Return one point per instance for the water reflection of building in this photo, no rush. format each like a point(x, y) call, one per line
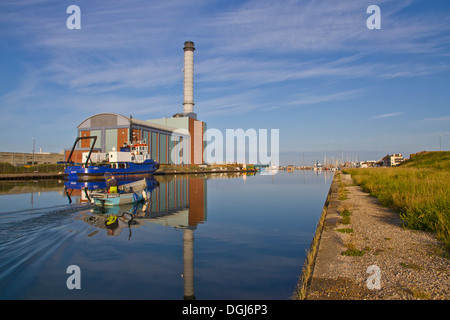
point(175, 201)
point(183, 200)
point(29, 186)
point(179, 201)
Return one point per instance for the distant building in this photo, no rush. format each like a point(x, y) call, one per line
point(367, 164)
point(393, 160)
point(349, 164)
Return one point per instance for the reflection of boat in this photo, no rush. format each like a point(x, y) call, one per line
point(132, 208)
point(176, 201)
point(82, 189)
point(249, 168)
point(131, 160)
point(127, 193)
point(113, 223)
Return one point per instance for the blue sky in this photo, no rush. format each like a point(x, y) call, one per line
point(311, 69)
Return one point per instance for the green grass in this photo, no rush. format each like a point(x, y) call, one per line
point(342, 192)
point(419, 294)
point(345, 216)
point(411, 266)
point(345, 230)
point(419, 190)
point(352, 251)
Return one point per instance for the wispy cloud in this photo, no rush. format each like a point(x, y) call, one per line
point(436, 119)
point(317, 26)
point(388, 115)
point(232, 104)
point(251, 55)
point(308, 98)
point(117, 45)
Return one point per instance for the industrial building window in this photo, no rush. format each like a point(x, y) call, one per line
point(154, 146)
point(163, 148)
point(186, 151)
point(98, 133)
point(111, 139)
point(171, 147)
point(145, 138)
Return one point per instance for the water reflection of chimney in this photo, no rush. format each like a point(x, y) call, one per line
point(188, 264)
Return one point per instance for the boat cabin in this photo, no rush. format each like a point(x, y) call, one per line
point(139, 148)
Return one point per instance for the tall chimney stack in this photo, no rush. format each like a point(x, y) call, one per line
point(188, 90)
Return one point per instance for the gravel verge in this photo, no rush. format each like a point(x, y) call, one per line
point(411, 264)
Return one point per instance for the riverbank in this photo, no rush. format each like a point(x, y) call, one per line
point(418, 189)
point(356, 236)
point(164, 170)
point(31, 176)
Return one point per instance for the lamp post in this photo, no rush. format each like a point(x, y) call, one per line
point(34, 146)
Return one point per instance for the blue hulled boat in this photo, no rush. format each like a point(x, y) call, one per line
point(120, 170)
point(131, 161)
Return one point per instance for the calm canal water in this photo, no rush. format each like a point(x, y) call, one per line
point(208, 237)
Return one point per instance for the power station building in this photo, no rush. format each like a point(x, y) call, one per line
point(173, 140)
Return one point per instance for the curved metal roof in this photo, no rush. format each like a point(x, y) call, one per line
point(110, 119)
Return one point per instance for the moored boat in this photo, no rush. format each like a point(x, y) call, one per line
point(127, 193)
point(318, 167)
point(133, 160)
